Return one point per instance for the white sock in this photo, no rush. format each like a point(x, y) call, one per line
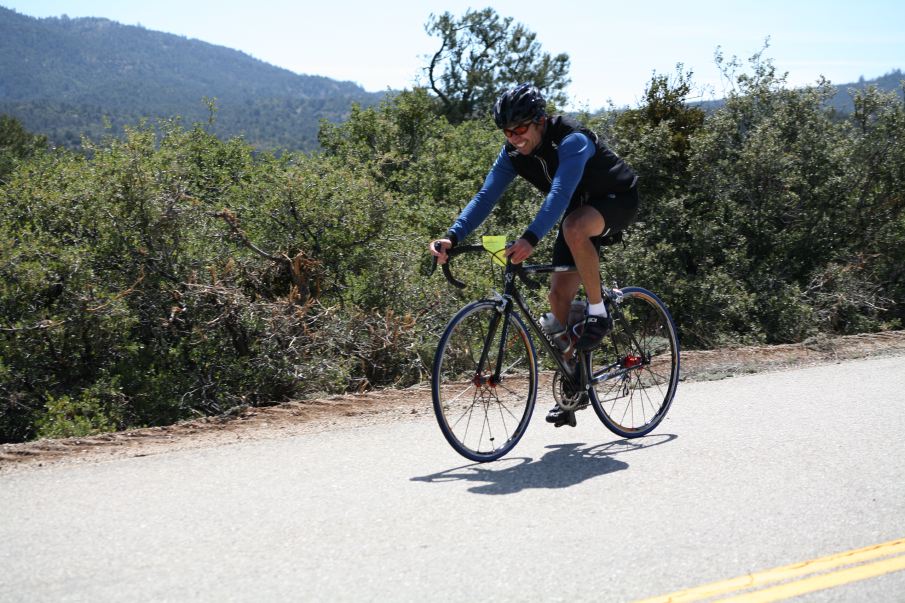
point(598, 309)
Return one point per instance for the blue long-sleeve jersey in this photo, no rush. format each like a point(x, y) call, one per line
point(574, 152)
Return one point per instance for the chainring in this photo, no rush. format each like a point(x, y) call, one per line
point(568, 396)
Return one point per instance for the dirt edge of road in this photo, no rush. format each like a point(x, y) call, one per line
point(395, 404)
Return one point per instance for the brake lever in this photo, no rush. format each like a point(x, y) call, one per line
point(446, 271)
point(434, 258)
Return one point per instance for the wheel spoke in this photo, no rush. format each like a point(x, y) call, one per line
point(467, 412)
point(460, 394)
point(501, 406)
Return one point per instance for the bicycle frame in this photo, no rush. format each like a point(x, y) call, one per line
point(511, 294)
point(586, 379)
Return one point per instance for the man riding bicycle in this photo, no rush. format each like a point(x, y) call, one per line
point(587, 185)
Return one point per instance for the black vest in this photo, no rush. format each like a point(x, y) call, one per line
point(604, 173)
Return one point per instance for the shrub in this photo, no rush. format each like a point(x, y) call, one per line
point(163, 276)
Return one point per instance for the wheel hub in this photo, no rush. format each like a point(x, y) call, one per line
point(631, 361)
point(482, 381)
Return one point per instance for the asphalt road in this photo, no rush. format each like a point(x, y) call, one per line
point(745, 475)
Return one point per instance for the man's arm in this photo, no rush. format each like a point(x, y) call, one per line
point(501, 174)
point(574, 152)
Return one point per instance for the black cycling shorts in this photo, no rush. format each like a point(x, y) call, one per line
point(619, 210)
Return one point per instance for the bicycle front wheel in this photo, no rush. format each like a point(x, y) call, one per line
point(483, 415)
point(635, 371)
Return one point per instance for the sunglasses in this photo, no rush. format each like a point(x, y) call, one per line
point(517, 130)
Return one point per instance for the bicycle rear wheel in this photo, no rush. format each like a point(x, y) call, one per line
point(481, 417)
point(635, 371)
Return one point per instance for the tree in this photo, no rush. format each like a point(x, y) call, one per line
point(16, 143)
point(481, 54)
point(666, 111)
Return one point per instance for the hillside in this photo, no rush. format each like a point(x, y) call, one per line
point(67, 77)
point(842, 101)
point(62, 77)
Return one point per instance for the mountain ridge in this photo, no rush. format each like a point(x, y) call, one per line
point(843, 100)
point(65, 74)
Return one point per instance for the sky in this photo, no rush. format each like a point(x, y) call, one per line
point(614, 48)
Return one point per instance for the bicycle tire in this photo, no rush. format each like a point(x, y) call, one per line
point(641, 359)
point(474, 413)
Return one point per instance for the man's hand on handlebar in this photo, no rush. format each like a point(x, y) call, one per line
point(438, 250)
point(519, 251)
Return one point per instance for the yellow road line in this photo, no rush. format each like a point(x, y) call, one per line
point(787, 572)
point(822, 582)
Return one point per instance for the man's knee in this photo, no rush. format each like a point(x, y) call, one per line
point(581, 226)
point(570, 230)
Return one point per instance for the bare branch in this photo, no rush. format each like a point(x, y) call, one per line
point(233, 222)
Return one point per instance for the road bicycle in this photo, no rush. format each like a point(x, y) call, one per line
point(485, 372)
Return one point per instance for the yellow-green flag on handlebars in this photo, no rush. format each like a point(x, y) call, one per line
point(496, 245)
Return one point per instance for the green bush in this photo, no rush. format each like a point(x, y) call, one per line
point(170, 274)
point(97, 409)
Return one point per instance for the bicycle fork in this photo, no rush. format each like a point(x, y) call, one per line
point(490, 342)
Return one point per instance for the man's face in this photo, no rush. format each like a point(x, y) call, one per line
point(525, 137)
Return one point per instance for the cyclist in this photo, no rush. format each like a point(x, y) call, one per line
point(588, 188)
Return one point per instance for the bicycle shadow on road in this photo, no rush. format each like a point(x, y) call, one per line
point(564, 466)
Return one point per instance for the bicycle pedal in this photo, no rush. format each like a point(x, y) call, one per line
point(567, 418)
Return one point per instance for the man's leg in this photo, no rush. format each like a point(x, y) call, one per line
point(563, 288)
point(578, 228)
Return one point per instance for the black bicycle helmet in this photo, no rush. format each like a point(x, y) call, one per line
point(518, 105)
